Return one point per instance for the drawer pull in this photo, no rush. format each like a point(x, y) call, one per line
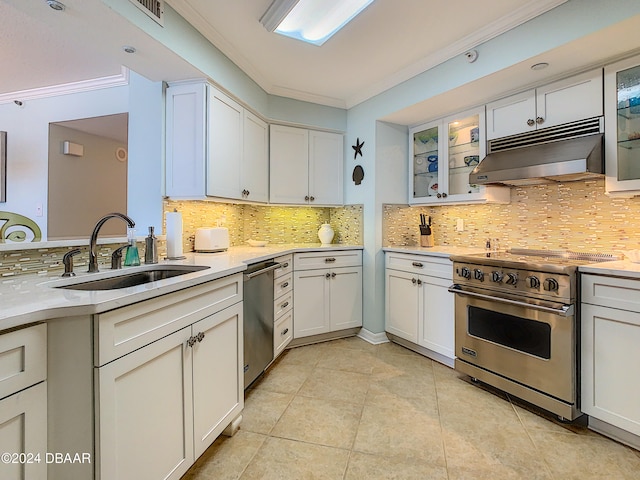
point(329, 260)
point(417, 264)
point(284, 305)
point(285, 331)
point(284, 265)
point(284, 285)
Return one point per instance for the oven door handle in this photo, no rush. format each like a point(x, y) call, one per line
point(564, 311)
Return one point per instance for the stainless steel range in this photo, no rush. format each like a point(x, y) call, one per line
point(516, 323)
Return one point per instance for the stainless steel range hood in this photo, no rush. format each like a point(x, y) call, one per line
point(564, 153)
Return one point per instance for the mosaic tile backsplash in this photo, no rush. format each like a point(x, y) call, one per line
point(575, 216)
point(245, 222)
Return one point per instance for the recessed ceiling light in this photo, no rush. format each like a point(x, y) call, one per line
point(312, 21)
point(129, 49)
point(58, 6)
point(539, 66)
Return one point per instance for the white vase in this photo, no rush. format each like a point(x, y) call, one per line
point(325, 234)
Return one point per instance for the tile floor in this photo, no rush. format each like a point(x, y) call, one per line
point(347, 409)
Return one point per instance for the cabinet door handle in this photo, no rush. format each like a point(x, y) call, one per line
point(419, 282)
point(306, 198)
point(414, 281)
point(329, 260)
point(285, 331)
point(284, 285)
point(439, 195)
point(333, 275)
point(200, 336)
point(539, 120)
point(327, 275)
point(531, 122)
point(444, 195)
point(312, 198)
point(192, 340)
point(284, 305)
point(417, 264)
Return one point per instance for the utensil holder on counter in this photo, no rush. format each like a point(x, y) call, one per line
point(426, 240)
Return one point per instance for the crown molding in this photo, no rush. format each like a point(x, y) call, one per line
point(118, 80)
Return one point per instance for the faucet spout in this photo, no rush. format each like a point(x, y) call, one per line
point(93, 258)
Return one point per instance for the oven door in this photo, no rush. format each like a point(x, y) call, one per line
point(532, 344)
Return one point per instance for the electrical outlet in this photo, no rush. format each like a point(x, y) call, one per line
point(459, 225)
point(38, 210)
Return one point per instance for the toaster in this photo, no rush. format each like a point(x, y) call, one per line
point(211, 239)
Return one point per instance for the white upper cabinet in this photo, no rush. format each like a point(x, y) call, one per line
point(186, 119)
point(305, 166)
point(215, 147)
point(225, 128)
point(622, 127)
point(443, 153)
point(564, 101)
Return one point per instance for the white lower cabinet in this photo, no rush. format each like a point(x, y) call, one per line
point(163, 405)
point(418, 306)
point(610, 323)
point(23, 404)
point(327, 299)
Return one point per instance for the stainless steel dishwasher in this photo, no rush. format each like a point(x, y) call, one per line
point(258, 319)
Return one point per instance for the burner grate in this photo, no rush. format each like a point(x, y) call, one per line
point(590, 257)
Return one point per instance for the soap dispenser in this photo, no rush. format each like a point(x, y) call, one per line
point(132, 258)
point(151, 248)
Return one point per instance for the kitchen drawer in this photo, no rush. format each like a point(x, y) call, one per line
point(126, 329)
point(327, 259)
point(620, 293)
point(282, 285)
point(440, 267)
point(287, 265)
point(282, 333)
point(23, 358)
point(282, 304)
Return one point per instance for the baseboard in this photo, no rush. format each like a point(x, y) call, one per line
point(614, 432)
point(373, 338)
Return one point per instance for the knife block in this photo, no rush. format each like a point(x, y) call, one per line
point(426, 240)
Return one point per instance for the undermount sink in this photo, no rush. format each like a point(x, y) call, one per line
point(139, 277)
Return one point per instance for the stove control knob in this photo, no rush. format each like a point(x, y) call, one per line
point(465, 272)
point(550, 284)
point(533, 282)
point(478, 274)
point(497, 276)
point(512, 278)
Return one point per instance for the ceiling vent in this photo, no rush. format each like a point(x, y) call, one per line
point(153, 8)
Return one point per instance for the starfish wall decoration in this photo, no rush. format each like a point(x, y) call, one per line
point(358, 148)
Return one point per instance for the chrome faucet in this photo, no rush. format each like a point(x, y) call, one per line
point(93, 259)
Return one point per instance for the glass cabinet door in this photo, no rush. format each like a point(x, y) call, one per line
point(425, 162)
point(628, 123)
point(463, 153)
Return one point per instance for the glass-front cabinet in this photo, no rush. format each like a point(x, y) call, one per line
point(622, 127)
point(443, 153)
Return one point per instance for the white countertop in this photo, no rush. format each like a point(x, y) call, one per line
point(619, 268)
point(436, 251)
point(31, 298)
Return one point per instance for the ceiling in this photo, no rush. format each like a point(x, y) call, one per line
point(388, 43)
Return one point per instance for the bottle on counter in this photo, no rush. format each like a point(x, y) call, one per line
point(132, 258)
point(151, 248)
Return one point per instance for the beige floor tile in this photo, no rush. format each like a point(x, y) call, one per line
point(395, 390)
point(404, 435)
point(308, 355)
point(283, 459)
point(284, 378)
point(262, 409)
point(582, 457)
point(393, 349)
point(337, 385)
point(417, 366)
point(349, 360)
point(367, 467)
point(227, 458)
point(316, 420)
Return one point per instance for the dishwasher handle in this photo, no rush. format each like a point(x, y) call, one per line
point(249, 276)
